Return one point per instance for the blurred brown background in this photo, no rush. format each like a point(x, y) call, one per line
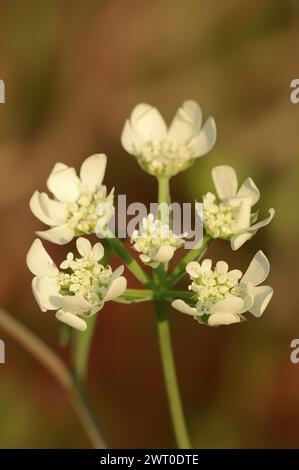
point(73, 71)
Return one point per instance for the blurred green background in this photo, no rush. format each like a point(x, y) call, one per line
point(73, 72)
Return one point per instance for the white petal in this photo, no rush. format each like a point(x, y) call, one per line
point(249, 189)
point(118, 272)
point(229, 305)
point(116, 288)
point(46, 293)
point(64, 183)
point(234, 274)
point(262, 223)
point(84, 247)
point(97, 252)
point(164, 254)
point(93, 170)
point(39, 262)
point(76, 304)
point(219, 319)
point(130, 139)
point(221, 267)
point(225, 181)
point(148, 122)
point(262, 296)
point(59, 235)
point(205, 141)
point(181, 306)
point(258, 269)
point(71, 320)
point(145, 259)
point(247, 302)
point(193, 268)
point(38, 205)
point(238, 240)
point(243, 215)
point(206, 265)
point(186, 123)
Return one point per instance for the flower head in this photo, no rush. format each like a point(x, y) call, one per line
point(155, 241)
point(166, 152)
point(80, 289)
point(220, 296)
point(232, 218)
point(75, 209)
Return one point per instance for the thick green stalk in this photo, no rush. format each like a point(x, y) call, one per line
point(166, 353)
point(193, 255)
point(170, 378)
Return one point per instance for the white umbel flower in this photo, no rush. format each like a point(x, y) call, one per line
point(75, 209)
point(155, 241)
point(166, 152)
point(231, 218)
point(222, 296)
point(82, 290)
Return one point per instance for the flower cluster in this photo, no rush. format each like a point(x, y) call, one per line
point(231, 218)
point(155, 241)
point(220, 296)
point(162, 151)
point(75, 209)
point(82, 206)
point(82, 290)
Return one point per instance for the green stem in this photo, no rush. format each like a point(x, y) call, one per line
point(52, 362)
point(81, 344)
point(129, 261)
point(139, 293)
point(177, 294)
point(167, 359)
point(163, 190)
point(192, 255)
point(170, 378)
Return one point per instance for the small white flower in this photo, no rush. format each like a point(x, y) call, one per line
point(82, 290)
point(155, 241)
point(162, 151)
point(231, 218)
point(222, 296)
point(75, 209)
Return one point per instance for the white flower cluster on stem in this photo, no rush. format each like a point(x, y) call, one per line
point(81, 205)
point(82, 290)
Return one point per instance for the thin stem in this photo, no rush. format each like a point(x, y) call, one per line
point(163, 190)
point(51, 361)
point(192, 255)
point(178, 294)
point(129, 261)
point(170, 378)
point(139, 293)
point(132, 296)
point(81, 344)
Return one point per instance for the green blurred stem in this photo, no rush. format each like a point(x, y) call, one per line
point(129, 261)
point(193, 255)
point(52, 362)
point(170, 378)
point(81, 344)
